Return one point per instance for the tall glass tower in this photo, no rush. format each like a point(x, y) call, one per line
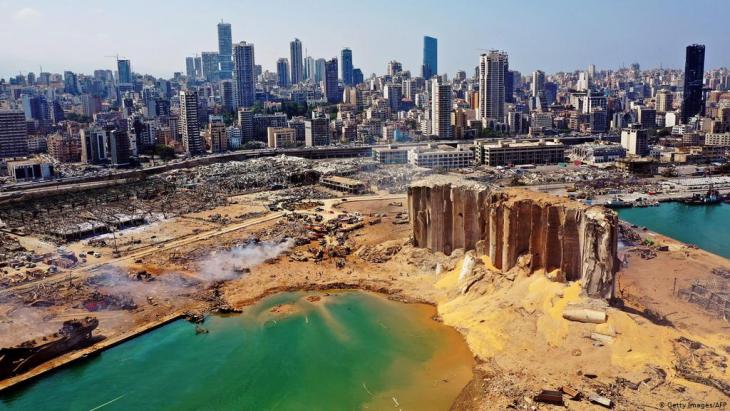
point(244, 76)
point(694, 70)
point(124, 71)
point(296, 62)
point(347, 66)
point(225, 50)
point(430, 57)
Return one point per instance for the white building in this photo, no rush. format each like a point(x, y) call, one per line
point(441, 156)
point(635, 140)
point(441, 109)
point(492, 68)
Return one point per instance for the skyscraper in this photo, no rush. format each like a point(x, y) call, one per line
point(282, 72)
point(190, 67)
point(198, 67)
point(394, 94)
point(509, 85)
point(347, 66)
point(357, 76)
point(70, 83)
point(319, 67)
point(430, 57)
point(227, 99)
point(491, 86)
point(124, 71)
point(538, 83)
point(441, 109)
point(694, 69)
point(190, 128)
point(244, 78)
point(309, 68)
point(13, 134)
point(331, 85)
point(36, 108)
point(225, 50)
point(394, 67)
point(211, 65)
point(297, 67)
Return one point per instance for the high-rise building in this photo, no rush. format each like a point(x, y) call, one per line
point(70, 83)
point(538, 83)
point(347, 66)
point(430, 57)
point(13, 134)
point(90, 104)
point(309, 68)
point(441, 109)
point(317, 131)
point(192, 143)
point(694, 69)
point(244, 78)
point(211, 65)
point(37, 109)
point(190, 67)
point(282, 72)
point(94, 149)
point(124, 71)
point(198, 67)
point(394, 94)
point(319, 68)
point(664, 101)
point(297, 66)
point(331, 85)
point(119, 147)
point(245, 124)
point(509, 85)
point(225, 50)
point(227, 99)
point(394, 67)
point(635, 140)
point(217, 134)
point(357, 76)
point(491, 86)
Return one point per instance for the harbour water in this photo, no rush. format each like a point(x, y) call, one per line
point(706, 226)
point(348, 351)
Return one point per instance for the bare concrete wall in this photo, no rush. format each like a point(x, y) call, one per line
point(548, 232)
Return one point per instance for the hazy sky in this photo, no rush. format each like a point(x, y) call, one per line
point(556, 35)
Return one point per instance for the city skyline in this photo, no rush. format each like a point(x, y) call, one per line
point(160, 52)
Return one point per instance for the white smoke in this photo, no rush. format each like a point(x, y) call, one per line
point(226, 265)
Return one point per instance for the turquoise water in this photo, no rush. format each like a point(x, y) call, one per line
point(352, 350)
point(708, 227)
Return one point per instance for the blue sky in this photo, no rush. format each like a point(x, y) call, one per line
point(549, 35)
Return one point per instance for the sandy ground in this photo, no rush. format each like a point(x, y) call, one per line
point(512, 322)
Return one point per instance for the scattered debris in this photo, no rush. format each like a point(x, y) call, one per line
point(550, 397)
point(584, 315)
point(600, 400)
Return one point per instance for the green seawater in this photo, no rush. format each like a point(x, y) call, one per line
point(350, 351)
point(707, 227)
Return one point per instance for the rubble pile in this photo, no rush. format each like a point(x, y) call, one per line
point(580, 176)
point(712, 296)
point(237, 177)
point(380, 253)
point(394, 178)
point(98, 301)
point(627, 234)
point(294, 198)
point(344, 167)
point(19, 265)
